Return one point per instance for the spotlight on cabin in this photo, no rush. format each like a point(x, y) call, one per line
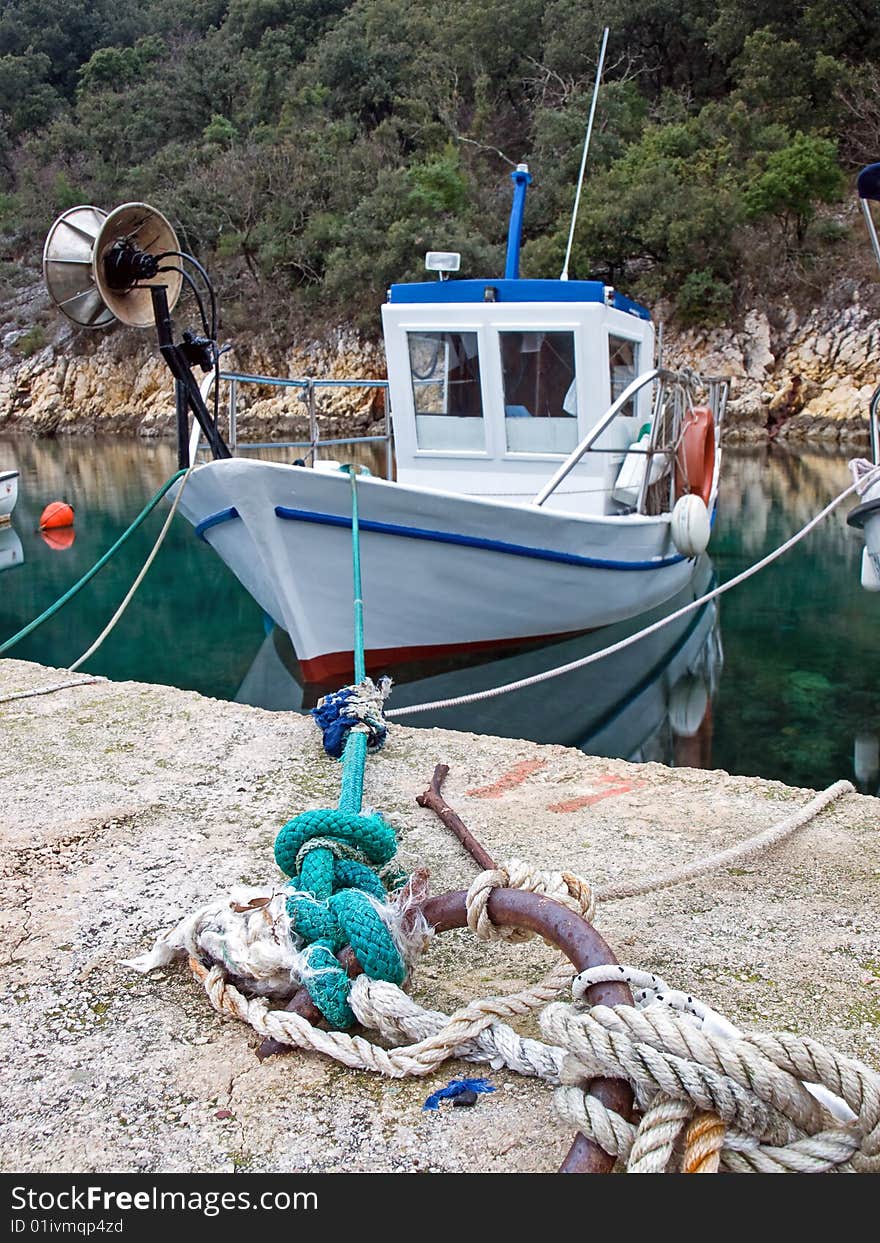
point(442, 261)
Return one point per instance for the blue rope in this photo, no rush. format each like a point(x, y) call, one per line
point(457, 1087)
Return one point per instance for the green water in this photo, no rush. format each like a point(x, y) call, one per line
point(801, 664)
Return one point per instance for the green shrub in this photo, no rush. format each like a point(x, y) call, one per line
point(31, 342)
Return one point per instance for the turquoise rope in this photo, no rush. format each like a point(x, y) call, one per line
point(332, 908)
point(90, 574)
point(360, 668)
point(354, 757)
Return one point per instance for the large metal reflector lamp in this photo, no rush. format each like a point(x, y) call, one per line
point(99, 268)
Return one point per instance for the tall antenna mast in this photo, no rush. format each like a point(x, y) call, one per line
point(577, 198)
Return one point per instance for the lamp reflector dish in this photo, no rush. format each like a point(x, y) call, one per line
point(67, 266)
point(148, 231)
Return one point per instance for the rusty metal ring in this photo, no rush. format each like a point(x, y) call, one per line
point(581, 944)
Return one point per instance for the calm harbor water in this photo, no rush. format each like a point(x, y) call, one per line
point(779, 681)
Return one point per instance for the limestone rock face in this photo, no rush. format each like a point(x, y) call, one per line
point(114, 381)
point(797, 379)
point(791, 377)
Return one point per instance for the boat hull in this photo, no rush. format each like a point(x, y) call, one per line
point(441, 572)
point(643, 703)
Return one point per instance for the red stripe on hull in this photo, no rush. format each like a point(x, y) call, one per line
point(340, 665)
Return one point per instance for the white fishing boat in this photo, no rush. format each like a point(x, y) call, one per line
point(8, 493)
point(551, 477)
point(550, 480)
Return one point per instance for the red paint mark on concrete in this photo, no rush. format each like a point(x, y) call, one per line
point(616, 785)
point(507, 781)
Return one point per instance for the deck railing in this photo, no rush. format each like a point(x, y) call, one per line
point(674, 394)
point(308, 385)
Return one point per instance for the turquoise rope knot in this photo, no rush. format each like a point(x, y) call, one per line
point(331, 854)
point(333, 902)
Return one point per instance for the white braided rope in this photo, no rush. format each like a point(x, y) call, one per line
point(456, 1037)
point(763, 1087)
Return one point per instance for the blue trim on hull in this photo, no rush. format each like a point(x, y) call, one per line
point(471, 541)
point(214, 520)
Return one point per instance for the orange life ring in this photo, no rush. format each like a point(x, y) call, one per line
point(695, 460)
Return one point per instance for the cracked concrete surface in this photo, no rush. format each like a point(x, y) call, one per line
point(122, 806)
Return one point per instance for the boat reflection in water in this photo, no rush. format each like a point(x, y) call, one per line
point(652, 701)
point(11, 552)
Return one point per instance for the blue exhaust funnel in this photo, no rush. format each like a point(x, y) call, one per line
point(521, 179)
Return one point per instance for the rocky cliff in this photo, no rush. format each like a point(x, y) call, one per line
point(793, 377)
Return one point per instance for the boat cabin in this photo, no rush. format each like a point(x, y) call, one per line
point(493, 383)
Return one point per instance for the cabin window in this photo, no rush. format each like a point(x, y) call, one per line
point(445, 369)
point(540, 403)
point(623, 359)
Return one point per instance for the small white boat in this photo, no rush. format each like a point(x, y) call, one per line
point(8, 493)
point(551, 477)
point(550, 480)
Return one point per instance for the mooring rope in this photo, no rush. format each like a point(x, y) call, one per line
point(769, 1102)
point(166, 527)
point(183, 475)
point(734, 854)
point(50, 690)
point(709, 1097)
point(582, 662)
point(340, 860)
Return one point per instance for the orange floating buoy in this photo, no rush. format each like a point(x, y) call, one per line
point(59, 538)
point(55, 515)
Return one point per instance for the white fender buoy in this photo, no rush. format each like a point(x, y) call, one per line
point(870, 571)
point(688, 701)
point(866, 758)
point(689, 525)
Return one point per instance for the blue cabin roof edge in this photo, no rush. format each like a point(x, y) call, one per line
point(519, 290)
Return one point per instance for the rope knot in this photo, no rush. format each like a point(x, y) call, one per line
point(711, 1097)
point(565, 887)
point(367, 838)
point(359, 707)
point(335, 899)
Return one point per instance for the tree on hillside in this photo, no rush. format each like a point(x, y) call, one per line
point(795, 179)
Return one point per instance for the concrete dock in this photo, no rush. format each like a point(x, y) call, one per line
point(123, 806)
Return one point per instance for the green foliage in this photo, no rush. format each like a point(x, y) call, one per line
point(112, 68)
point(703, 298)
point(26, 98)
point(795, 179)
point(31, 342)
point(314, 149)
point(219, 132)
